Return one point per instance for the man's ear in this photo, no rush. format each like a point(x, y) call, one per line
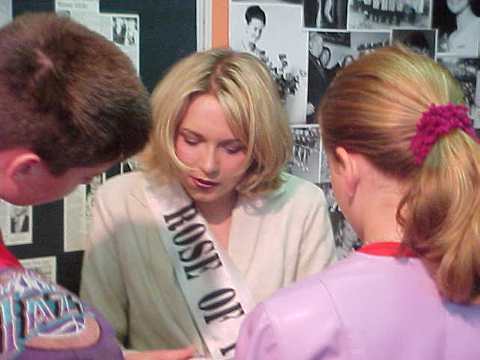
point(347, 167)
point(24, 165)
point(21, 170)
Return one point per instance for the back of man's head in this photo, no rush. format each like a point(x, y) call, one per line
point(68, 94)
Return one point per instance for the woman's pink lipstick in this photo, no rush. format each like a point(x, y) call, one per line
point(204, 184)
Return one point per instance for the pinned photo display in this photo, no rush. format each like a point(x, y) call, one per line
point(305, 43)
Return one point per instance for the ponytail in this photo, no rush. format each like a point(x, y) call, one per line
point(440, 215)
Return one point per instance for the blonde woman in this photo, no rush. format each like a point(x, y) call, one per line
point(180, 252)
point(405, 168)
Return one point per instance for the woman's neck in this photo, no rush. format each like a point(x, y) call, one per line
point(218, 215)
point(465, 18)
point(248, 45)
point(216, 212)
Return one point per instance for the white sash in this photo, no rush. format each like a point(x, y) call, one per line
point(218, 300)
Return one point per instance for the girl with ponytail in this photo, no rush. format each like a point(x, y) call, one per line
point(405, 168)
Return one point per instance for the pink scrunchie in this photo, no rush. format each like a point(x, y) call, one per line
point(437, 121)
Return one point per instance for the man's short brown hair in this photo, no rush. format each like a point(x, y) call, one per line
point(68, 94)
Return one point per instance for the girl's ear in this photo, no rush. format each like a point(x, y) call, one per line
point(346, 166)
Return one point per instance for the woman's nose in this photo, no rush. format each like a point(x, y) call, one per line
point(209, 162)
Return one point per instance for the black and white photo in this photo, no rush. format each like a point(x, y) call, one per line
point(119, 30)
point(324, 169)
point(386, 14)
point(124, 30)
point(90, 190)
point(306, 157)
point(129, 165)
point(363, 42)
point(19, 219)
point(131, 36)
point(46, 266)
point(319, 77)
point(325, 14)
point(255, 20)
point(273, 32)
point(330, 51)
point(458, 23)
point(346, 240)
point(422, 41)
point(16, 224)
point(5, 12)
point(467, 72)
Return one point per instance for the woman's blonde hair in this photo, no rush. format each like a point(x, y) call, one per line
point(372, 108)
point(248, 95)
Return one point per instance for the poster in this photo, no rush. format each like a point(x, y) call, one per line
point(45, 266)
point(77, 214)
point(5, 12)
point(15, 224)
point(280, 42)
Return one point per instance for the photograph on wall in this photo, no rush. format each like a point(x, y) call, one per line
point(45, 266)
point(329, 51)
point(77, 6)
point(273, 32)
point(386, 14)
point(74, 219)
point(77, 214)
point(458, 24)
point(125, 30)
point(15, 224)
point(467, 72)
point(86, 12)
point(422, 41)
point(306, 158)
point(5, 12)
point(326, 14)
point(319, 72)
point(324, 169)
point(20, 219)
point(90, 191)
point(346, 240)
point(129, 165)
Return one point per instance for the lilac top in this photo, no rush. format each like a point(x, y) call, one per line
point(41, 320)
point(366, 307)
